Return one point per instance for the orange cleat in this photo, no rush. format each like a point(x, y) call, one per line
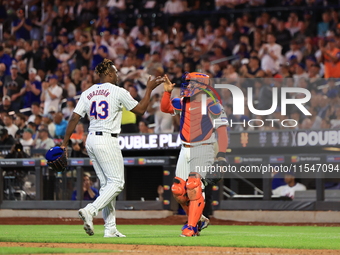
point(189, 231)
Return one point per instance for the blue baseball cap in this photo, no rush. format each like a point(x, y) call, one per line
point(115, 31)
point(292, 57)
point(311, 58)
point(302, 65)
point(53, 76)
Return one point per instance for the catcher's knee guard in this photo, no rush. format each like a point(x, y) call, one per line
point(180, 194)
point(195, 195)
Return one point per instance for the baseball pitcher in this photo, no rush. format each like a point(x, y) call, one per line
point(103, 103)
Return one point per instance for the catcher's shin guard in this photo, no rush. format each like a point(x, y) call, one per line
point(196, 205)
point(180, 194)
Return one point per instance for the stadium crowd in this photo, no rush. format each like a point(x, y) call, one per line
point(49, 52)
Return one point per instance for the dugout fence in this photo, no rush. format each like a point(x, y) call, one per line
point(145, 174)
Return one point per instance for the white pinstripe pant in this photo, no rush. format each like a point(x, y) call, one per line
point(108, 163)
point(193, 159)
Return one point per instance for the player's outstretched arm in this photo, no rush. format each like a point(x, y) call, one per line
point(143, 104)
point(166, 105)
point(73, 121)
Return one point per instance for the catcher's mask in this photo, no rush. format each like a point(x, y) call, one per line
point(56, 159)
point(193, 83)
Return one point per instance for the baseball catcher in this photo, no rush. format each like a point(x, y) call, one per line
point(199, 108)
point(57, 159)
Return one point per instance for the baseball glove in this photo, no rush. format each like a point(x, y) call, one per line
point(57, 159)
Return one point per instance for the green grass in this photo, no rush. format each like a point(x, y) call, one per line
point(46, 250)
point(305, 237)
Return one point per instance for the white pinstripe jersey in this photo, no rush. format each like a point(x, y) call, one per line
point(103, 103)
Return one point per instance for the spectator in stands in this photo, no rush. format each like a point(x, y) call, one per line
point(62, 20)
point(69, 86)
point(33, 55)
point(283, 36)
point(2, 77)
point(270, 54)
point(107, 43)
point(139, 27)
point(68, 110)
point(32, 90)
point(76, 79)
point(230, 74)
point(163, 122)
point(300, 73)
point(173, 7)
point(153, 64)
point(49, 62)
point(90, 193)
point(5, 59)
point(78, 147)
point(22, 70)
point(323, 26)
point(21, 26)
point(129, 120)
point(78, 135)
point(99, 51)
point(60, 125)
point(33, 127)
point(5, 138)
point(294, 50)
point(17, 151)
point(51, 93)
point(143, 127)
point(6, 105)
point(82, 53)
point(38, 120)
point(43, 141)
point(331, 57)
point(35, 110)
point(47, 119)
point(8, 121)
point(335, 123)
point(291, 186)
point(20, 122)
point(13, 88)
point(27, 140)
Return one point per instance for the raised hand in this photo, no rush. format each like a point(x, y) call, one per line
point(168, 86)
point(152, 84)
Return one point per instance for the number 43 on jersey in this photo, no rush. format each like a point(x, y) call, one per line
point(103, 110)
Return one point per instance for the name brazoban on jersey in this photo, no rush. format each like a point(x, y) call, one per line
point(101, 92)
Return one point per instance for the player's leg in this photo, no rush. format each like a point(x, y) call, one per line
point(178, 188)
point(113, 170)
point(180, 193)
point(109, 215)
point(109, 157)
point(196, 204)
point(85, 213)
point(200, 157)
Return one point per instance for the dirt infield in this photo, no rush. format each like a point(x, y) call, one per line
point(171, 220)
point(159, 249)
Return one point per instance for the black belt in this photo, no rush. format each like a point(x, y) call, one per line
point(101, 133)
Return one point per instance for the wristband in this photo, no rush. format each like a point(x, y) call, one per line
point(221, 154)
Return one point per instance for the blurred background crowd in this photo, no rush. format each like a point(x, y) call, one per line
point(49, 50)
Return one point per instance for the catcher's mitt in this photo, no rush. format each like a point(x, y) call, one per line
point(57, 159)
point(213, 177)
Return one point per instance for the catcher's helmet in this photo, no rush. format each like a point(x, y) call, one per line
point(56, 159)
point(193, 83)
